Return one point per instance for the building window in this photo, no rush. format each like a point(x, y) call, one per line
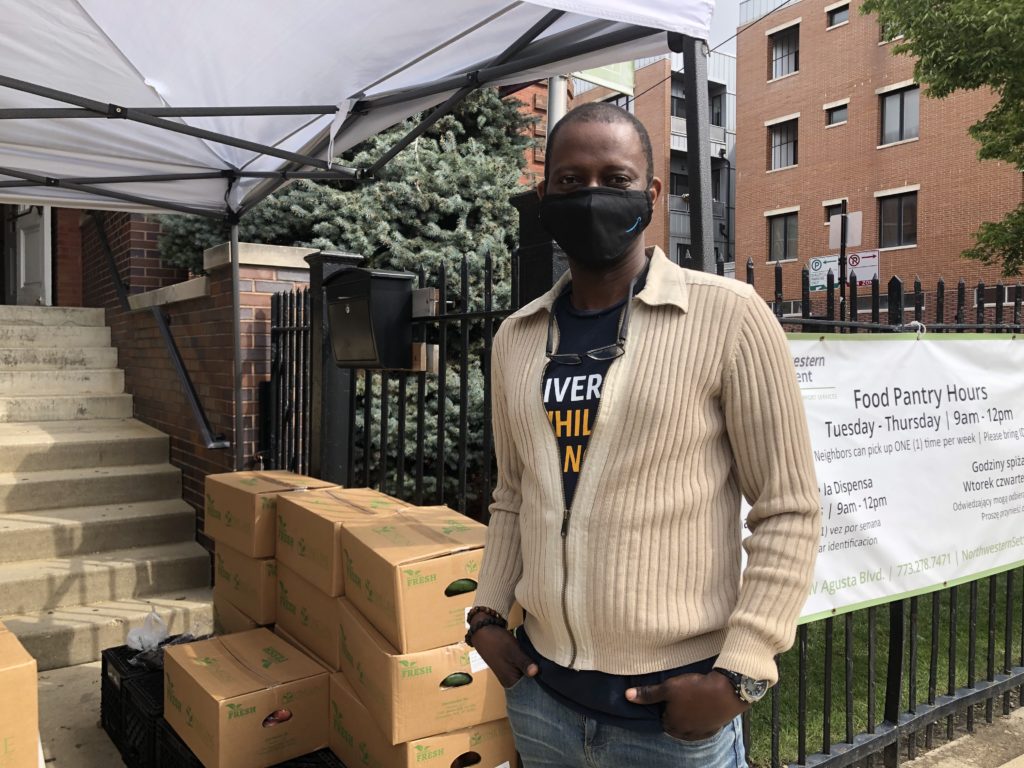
point(682, 253)
point(897, 220)
point(716, 110)
point(837, 16)
point(837, 115)
point(678, 106)
point(785, 52)
point(716, 184)
point(782, 138)
point(679, 184)
point(900, 115)
point(886, 34)
point(782, 237)
point(832, 210)
point(621, 100)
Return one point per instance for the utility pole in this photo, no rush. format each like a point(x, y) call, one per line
point(557, 99)
point(698, 141)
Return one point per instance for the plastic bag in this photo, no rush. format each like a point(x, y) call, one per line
point(149, 636)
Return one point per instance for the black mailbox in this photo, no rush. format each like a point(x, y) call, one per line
point(369, 314)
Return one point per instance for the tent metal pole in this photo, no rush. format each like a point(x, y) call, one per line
point(47, 181)
point(496, 71)
point(698, 160)
point(49, 113)
point(399, 95)
point(238, 442)
point(452, 101)
point(117, 112)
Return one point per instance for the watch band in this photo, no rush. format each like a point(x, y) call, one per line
point(747, 689)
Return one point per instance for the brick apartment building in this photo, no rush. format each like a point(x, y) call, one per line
point(826, 112)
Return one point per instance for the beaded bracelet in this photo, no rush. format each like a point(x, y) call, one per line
point(483, 609)
point(488, 622)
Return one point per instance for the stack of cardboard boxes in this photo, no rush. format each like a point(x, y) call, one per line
point(378, 591)
point(362, 584)
point(19, 705)
point(241, 517)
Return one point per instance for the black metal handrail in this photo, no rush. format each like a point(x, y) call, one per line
point(211, 441)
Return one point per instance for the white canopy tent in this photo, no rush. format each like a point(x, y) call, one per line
point(208, 107)
point(248, 93)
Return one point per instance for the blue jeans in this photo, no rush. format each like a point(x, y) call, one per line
point(550, 735)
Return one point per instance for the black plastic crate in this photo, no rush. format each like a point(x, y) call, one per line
point(115, 671)
point(324, 758)
point(172, 752)
point(143, 704)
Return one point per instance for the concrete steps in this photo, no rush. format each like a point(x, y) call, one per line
point(93, 530)
point(83, 381)
point(88, 316)
point(90, 486)
point(57, 358)
point(75, 531)
point(22, 408)
point(78, 634)
point(30, 586)
point(38, 446)
point(69, 336)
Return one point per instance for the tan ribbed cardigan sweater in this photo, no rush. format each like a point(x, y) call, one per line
point(702, 406)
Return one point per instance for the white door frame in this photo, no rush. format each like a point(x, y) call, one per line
point(30, 256)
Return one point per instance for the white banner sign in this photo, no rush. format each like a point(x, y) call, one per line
point(919, 452)
point(864, 264)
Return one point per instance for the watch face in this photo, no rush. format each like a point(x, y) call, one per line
point(753, 690)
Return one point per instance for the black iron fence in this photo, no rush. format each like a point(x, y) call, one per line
point(860, 689)
point(287, 402)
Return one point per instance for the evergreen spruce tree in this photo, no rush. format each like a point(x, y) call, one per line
point(444, 198)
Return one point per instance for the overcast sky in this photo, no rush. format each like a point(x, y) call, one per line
point(723, 24)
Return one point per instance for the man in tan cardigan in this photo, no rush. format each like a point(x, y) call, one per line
point(633, 404)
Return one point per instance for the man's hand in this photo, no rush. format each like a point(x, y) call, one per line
point(696, 706)
point(502, 653)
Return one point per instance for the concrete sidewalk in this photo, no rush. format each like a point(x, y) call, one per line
point(69, 719)
point(999, 745)
point(69, 712)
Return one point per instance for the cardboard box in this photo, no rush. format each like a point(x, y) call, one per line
point(241, 507)
point(415, 695)
point(309, 533)
point(249, 583)
point(310, 616)
point(370, 500)
point(356, 739)
point(413, 575)
point(249, 700)
point(19, 704)
point(292, 641)
point(228, 619)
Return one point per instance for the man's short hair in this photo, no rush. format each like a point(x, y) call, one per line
point(603, 112)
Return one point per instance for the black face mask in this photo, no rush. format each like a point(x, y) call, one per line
point(596, 225)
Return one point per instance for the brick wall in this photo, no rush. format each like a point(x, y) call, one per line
point(535, 104)
point(957, 191)
point(202, 330)
point(67, 258)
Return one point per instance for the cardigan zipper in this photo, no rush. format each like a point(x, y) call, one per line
point(567, 510)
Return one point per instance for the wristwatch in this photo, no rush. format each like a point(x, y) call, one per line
point(748, 689)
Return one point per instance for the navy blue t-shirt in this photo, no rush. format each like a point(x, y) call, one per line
point(572, 393)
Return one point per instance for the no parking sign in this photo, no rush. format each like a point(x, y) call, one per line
point(864, 264)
